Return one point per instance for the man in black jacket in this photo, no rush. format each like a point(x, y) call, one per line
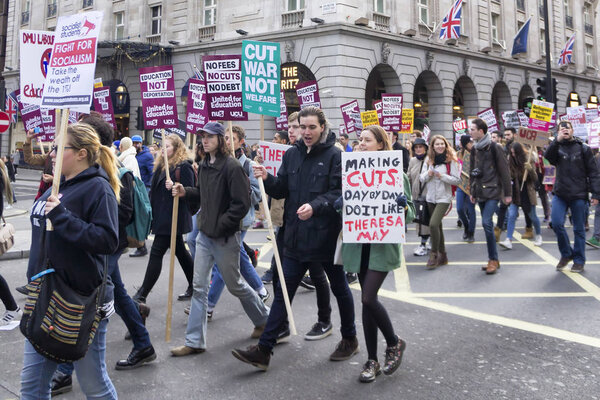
point(310, 181)
point(576, 175)
point(223, 191)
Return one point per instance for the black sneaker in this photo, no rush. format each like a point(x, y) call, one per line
point(345, 349)
point(137, 358)
point(22, 290)
point(265, 297)
point(139, 296)
point(139, 252)
point(187, 295)
point(283, 336)
point(307, 283)
point(61, 383)
point(470, 238)
point(393, 357)
point(351, 277)
point(320, 330)
point(267, 277)
point(254, 355)
point(370, 371)
point(577, 268)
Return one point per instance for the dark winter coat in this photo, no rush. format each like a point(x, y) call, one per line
point(146, 164)
point(161, 201)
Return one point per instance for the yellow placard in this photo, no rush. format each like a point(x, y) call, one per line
point(369, 118)
point(541, 110)
point(97, 83)
point(408, 119)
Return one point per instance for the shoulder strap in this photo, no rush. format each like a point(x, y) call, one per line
point(247, 167)
point(421, 185)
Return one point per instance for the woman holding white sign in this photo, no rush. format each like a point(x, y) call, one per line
point(372, 262)
point(442, 177)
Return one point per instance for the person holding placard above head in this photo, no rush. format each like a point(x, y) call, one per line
point(373, 262)
point(162, 207)
point(441, 176)
point(310, 181)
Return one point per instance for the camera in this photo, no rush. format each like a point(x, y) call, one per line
point(476, 173)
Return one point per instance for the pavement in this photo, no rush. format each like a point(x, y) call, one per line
point(528, 332)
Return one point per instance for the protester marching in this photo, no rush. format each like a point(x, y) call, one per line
point(338, 218)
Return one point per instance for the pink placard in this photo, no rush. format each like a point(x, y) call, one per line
point(159, 103)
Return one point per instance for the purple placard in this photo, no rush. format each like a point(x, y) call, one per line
point(281, 122)
point(224, 87)
point(391, 113)
point(30, 114)
point(523, 118)
point(378, 106)
point(349, 112)
point(490, 119)
point(73, 117)
point(308, 94)
point(103, 104)
point(197, 107)
point(159, 103)
point(49, 124)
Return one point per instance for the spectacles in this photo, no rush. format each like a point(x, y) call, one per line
point(55, 148)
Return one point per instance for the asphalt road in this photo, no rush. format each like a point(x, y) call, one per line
point(528, 332)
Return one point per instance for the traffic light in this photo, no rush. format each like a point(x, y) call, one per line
point(139, 119)
point(541, 89)
point(554, 91)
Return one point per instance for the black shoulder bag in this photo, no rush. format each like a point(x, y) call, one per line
point(421, 209)
point(58, 321)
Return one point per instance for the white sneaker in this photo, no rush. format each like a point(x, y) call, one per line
point(538, 240)
point(10, 316)
point(420, 250)
point(428, 245)
point(506, 243)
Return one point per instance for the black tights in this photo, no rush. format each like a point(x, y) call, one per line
point(6, 296)
point(374, 314)
point(159, 248)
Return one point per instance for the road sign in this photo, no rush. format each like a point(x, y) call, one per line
point(4, 121)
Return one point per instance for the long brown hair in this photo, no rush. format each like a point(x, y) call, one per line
point(223, 148)
point(450, 153)
point(518, 161)
point(179, 153)
point(7, 184)
point(380, 135)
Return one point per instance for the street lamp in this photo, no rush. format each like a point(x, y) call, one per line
point(121, 92)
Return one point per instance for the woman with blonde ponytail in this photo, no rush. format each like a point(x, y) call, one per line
point(84, 217)
point(180, 170)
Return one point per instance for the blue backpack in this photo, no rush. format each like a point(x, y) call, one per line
point(139, 227)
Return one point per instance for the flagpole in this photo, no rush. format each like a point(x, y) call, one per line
point(549, 88)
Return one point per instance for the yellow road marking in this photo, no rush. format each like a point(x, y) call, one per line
point(467, 295)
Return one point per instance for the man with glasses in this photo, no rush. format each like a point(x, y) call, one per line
point(576, 175)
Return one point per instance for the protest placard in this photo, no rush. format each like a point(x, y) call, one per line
point(48, 124)
point(342, 129)
point(591, 114)
point(103, 104)
point(460, 126)
point(371, 182)
point(594, 133)
point(272, 154)
point(260, 78)
point(549, 173)
point(34, 53)
point(489, 117)
point(540, 116)
point(224, 87)
point(73, 117)
point(349, 112)
point(426, 132)
point(281, 122)
point(391, 112)
point(30, 114)
point(532, 137)
point(308, 94)
point(408, 120)
point(179, 130)
point(369, 118)
point(577, 117)
point(197, 108)
point(159, 103)
point(70, 77)
point(523, 118)
point(511, 119)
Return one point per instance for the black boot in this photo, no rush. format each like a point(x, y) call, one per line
point(61, 383)
point(139, 252)
point(140, 296)
point(187, 295)
point(137, 358)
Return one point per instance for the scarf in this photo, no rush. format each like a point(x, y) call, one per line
point(482, 143)
point(421, 157)
point(439, 158)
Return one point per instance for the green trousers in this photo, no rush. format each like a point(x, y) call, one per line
point(437, 211)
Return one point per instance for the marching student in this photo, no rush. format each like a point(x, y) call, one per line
point(12, 311)
point(145, 161)
point(373, 262)
point(417, 165)
point(464, 207)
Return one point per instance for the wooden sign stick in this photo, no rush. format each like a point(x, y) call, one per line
point(230, 129)
point(60, 144)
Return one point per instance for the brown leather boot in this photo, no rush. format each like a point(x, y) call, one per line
point(497, 233)
point(433, 260)
point(492, 267)
point(528, 234)
point(442, 258)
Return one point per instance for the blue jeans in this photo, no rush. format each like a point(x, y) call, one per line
point(225, 252)
point(465, 210)
point(91, 371)
point(597, 222)
point(293, 271)
point(488, 208)
point(246, 269)
point(513, 211)
point(559, 212)
point(191, 236)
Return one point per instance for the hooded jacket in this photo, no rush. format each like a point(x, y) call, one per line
point(85, 229)
point(146, 165)
point(161, 201)
point(223, 192)
point(315, 178)
point(576, 170)
point(129, 160)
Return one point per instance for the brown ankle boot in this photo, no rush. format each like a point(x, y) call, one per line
point(528, 234)
point(492, 267)
point(433, 260)
point(442, 258)
point(497, 233)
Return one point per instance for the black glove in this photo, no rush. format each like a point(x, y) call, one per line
point(401, 200)
point(338, 204)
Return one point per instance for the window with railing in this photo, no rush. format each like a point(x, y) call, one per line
point(589, 59)
point(51, 12)
point(155, 20)
point(495, 27)
point(587, 20)
point(423, 11)
point(25, 13)
point(378, 6)
point(119, 25)
point(295, 5)
point(521, 5)
point(210, 12)
point(569, 21)
point(88, 3)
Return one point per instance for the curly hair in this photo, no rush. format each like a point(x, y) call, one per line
point(179, 155)
point(450, 152)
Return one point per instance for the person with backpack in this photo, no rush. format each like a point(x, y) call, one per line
point(127, 156)
point(441, 176)
point(146, 166)
point(222, 192)
point(576, 176)
point(162, 208)
point(490, 183)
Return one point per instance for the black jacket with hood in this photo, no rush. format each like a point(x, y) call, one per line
point(315, 178)
point(86, 225)
point(576, 170)
point(161, 200)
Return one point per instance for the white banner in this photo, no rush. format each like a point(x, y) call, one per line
point(272, 154)
point(35, 50)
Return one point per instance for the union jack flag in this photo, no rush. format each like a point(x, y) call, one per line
point(566, 55)
point(12, 108)
point(451, 22)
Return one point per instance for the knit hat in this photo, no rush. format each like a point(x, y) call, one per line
point(126, 143)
